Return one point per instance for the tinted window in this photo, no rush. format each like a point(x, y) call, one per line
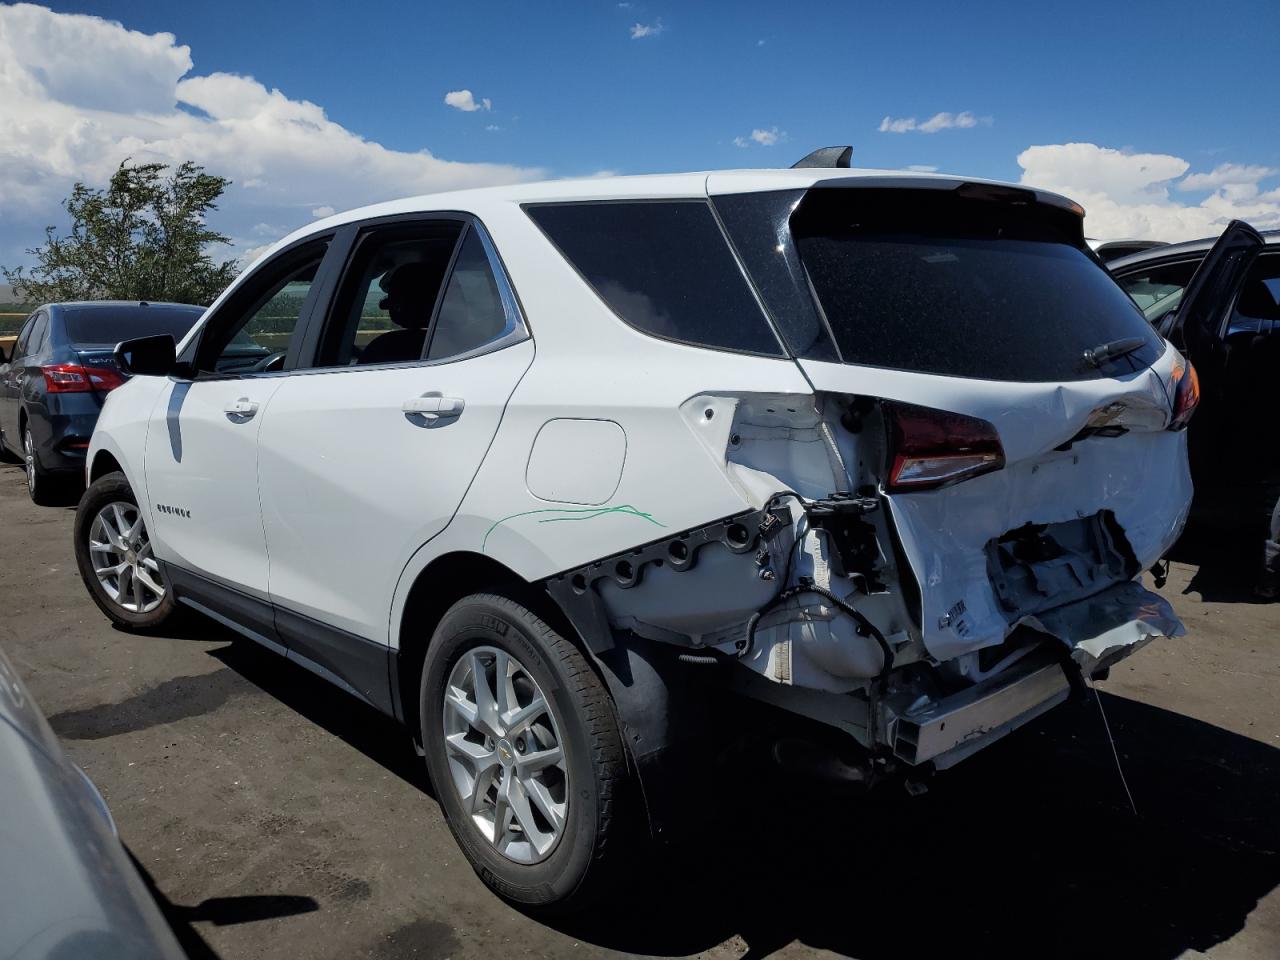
point(113, 324)
point(755, 222)
point(663, 267)
point(388, 297)
point(947, 284)
point(1157, 290)
point(39, 334)
point(472, 313)
point(24, 337)
point(1260, 296)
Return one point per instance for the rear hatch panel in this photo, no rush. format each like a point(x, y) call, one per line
point(982, 300)
point(1138, 477)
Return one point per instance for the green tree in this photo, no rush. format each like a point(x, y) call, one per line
point(142, 238)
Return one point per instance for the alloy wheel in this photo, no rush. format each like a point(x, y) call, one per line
point(122, 558)
point(505, 754)
point(29, 458)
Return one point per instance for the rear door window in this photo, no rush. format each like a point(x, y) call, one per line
point(39, 335)
point(936, 283)
point(664, 267)
point(1158, 289)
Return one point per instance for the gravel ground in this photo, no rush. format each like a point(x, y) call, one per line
point(278, 818)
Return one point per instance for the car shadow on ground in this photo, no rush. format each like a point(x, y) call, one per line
point(1228, 562)
point(220, 911)
point(1028, 849)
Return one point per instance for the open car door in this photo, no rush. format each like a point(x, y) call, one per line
point(1220, 457)
point(1198, 325)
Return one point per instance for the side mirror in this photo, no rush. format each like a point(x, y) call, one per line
point(147, 356)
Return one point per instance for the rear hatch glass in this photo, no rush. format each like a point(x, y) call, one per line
point(940, 283)
point(112, 324)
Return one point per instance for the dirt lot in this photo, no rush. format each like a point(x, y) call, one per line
point(278, 818)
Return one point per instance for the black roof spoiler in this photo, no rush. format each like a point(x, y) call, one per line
point(826, 157)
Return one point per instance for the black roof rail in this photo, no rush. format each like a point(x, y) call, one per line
point(826, 157)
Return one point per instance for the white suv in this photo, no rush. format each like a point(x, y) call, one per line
point(535, 468)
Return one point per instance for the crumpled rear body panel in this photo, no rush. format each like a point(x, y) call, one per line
point(1140, 475)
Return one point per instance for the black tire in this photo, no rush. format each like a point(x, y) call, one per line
point(114, 487)
point(46, 489)
point(600, 820)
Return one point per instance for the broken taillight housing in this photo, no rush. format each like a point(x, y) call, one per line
point(934, 448)
point(1186, 394)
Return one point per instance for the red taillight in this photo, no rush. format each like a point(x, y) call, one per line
point(1186, 394)
point(933, 448)
point(73, 378)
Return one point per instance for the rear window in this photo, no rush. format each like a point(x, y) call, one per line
point(961, 286)
point(113, 324)
point(664, 267)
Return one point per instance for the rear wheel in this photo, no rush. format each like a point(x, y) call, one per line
point(46, 489)
point(524, 753)
point(115, 557)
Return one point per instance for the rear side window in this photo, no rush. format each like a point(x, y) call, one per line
point(1158, 290)
point(471, 313)
point(959, 286)
point(39, 334)
point(664, 267)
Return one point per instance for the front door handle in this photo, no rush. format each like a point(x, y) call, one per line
point(433, 406)
point(242, 410)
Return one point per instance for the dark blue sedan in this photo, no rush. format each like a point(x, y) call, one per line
point(53, 386)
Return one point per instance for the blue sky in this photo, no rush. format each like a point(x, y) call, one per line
point(572, 92)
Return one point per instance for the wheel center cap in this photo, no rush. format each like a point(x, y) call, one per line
point(506, 753)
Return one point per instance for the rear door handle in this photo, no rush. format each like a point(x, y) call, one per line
point(242, 410)
point(433, 407)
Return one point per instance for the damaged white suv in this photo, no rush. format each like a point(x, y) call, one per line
point(531, 468)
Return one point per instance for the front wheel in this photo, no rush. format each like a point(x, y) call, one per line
point(524, 753)
point(116, 561)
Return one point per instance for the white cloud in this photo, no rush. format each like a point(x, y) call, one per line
point(1227, 175)
point(641, 30)
point(939, 121)
point(465, 100)
point(1129, 194)
point(79, 94)
point(923, 168)
point(492, 127)
point(321, 212)
point(765, 138)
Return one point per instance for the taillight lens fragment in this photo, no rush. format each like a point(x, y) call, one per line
point(73, 378)
point(934, 448)
point(1186, 394)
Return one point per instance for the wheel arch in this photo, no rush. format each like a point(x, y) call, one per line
point(444, 581)
point(104, 462)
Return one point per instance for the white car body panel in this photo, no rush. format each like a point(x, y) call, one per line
point(343, 516)
point(202, 479)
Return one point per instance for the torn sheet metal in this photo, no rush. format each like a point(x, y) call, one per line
point(1109, 626)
